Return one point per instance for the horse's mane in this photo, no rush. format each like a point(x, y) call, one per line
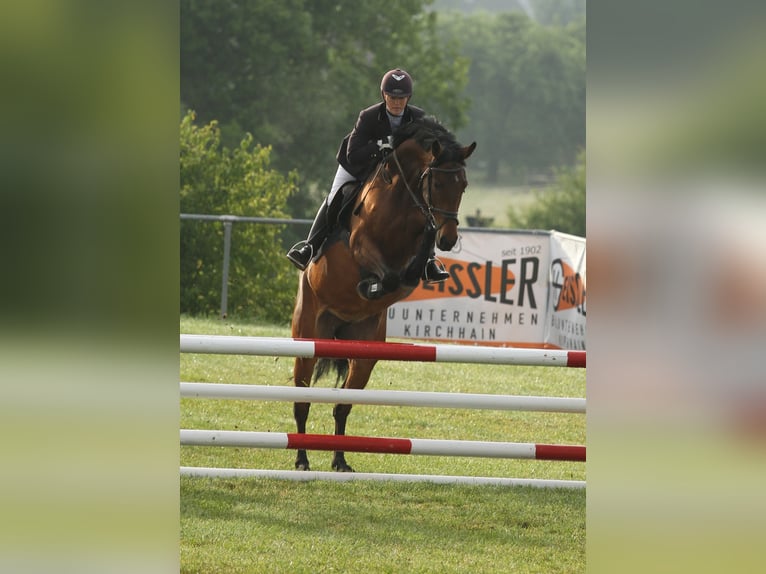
point(425, 131)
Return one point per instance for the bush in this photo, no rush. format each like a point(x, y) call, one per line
point(218, 181)
point(561, 208)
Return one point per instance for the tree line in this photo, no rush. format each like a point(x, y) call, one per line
point(526, 88)
point(294, 74)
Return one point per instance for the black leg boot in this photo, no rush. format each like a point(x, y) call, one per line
point(434, 271)
point(302, 252)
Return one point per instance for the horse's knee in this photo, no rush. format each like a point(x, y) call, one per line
point(340, 412)
point(370, 289)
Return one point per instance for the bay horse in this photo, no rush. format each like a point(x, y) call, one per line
point(376, 257)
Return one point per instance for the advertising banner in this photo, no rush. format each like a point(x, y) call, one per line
point(565, 327)
point(501, 293)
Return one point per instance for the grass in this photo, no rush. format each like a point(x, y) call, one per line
point(259, 525)
point(276, 526)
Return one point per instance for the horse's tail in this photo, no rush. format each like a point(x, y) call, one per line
point(324, 365)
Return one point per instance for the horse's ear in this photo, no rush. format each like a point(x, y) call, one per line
point(468, 150)
point(436, 148)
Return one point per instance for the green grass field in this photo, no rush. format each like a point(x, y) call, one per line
point(261, 525)
point(493, 201)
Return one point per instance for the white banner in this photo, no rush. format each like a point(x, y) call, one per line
point(501, 293)
point(565, 327)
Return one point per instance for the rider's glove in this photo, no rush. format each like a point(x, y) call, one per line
point(385, 146)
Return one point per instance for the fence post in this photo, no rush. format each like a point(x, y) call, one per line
point(225, 279)
point(227, 221)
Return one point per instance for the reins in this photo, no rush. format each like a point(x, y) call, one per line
point(377, 171)
point(428, 209)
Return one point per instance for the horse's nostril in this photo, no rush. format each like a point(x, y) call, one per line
point(446, 244)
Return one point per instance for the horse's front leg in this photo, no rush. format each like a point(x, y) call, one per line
point(377, 279)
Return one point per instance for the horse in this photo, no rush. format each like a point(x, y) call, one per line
point(408, 205)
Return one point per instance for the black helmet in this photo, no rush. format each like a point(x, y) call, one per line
point(396, 83)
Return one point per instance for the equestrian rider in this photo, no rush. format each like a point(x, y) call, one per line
point(358, 156)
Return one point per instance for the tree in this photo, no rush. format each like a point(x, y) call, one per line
point(561, 208)
point(558, 12)
point(217, 180)
point(527, 90)
point(294, 73)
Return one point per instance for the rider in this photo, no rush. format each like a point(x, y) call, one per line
point(357, 157)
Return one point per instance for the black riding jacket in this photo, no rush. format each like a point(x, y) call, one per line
point(359, 153)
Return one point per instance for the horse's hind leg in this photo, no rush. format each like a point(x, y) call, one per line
point(302, 375)
point(301, 414)
point(358, 374)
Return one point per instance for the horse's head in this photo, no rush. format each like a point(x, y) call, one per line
point(442, 175)
point(442, 184)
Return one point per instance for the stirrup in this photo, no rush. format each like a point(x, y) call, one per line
point(438, 273)
point(296, 252)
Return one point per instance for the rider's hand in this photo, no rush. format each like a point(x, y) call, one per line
point(384, 146)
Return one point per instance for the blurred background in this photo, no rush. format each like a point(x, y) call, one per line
point(677, 317)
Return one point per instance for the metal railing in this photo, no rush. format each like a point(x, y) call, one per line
point(227, 221)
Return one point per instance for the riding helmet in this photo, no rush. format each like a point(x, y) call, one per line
point(396, 83)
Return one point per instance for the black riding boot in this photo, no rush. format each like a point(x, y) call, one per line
point(434, 271)
point(302, 252)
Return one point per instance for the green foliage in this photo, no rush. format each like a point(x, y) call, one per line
point(561, 208)
point(216, 180)
point(296, 73)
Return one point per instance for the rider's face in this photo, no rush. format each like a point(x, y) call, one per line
point(395, 104)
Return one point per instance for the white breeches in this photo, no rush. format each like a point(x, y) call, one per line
point(341, 177)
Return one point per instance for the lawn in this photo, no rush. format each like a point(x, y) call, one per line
point(494, 201)
point(266, 525)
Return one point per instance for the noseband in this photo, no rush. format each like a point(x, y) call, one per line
point(428, 208)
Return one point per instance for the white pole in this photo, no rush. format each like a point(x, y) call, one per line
point(191, 437)
point(265, 346)
point(301, 475)
point(436, 447)
point(376, 397)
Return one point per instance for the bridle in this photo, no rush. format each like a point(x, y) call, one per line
point(428, 208)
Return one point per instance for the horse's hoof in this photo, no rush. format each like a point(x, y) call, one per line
point(342, 467)
point(302, 466)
